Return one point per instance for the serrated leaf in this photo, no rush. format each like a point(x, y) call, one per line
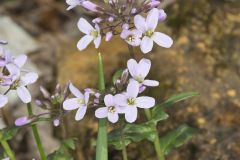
point(63, 152)
point(132, 133)
point(176, 138)
point(8, 133)
point(117, 75)
point(173, 99)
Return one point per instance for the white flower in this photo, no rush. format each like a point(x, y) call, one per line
point(147, 27)
point(92, 34)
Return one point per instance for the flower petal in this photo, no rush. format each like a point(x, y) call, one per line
point(152, 19)
point(108, 100)
point(24, 94)
point(131, 114)
point(75, 91)
point(132, 67)
point(20, 60)
point(13, 70)
point(71, 104)
point(162, 39)
point(120, 100)
point(3, 100)
point(29, 78)
point(101, 112)
point(113, 117)
point(97, 41)
point(145, 102)
point(146, 44)
point(133, 89)
point(144, 67)
point(80, 113)
point(150, 83)
point(84, 42)
point(84, 26)
point(140, 23)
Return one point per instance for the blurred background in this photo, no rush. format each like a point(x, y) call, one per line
point(205, 58)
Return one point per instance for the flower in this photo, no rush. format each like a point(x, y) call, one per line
point(80, 102)
point(109, 35)
point(92, 34)
point(162, 15)
point(3, 100)
point(111, 110)
point(147, 28)
point(131, 102)
point(132, 37)
point(20, 82)
point(140, 70)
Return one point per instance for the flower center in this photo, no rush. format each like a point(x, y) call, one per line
point(1, 80)
point(140, 78)
point(94, 33)
point(111, 109)
point(131, 101)
point(130, 38)
point(15, 84)
point(81, 101)
point(149, 33)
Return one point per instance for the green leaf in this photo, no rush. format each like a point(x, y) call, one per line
point(160, 115)
point(176, 138)
point(117, 75)
point(132, 133)
point(8, 133)
point(173, 99)
point(63, 151)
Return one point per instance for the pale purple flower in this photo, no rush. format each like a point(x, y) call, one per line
point(80, 102)
point(73, 3)
point(3, 100)
point(130, 101)
point(21, 121)
point(21, 82)
point(92, 34)
point(140, 70)
point(147, 27)
point(132, 37)
point(111, 110)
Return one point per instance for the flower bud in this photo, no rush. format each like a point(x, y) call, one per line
point(91, 6)
point(110, 19)
point(125, 26)
point(97, 20)
point(22, 121)
point(162, 15)
point(109, 36)
point(56, 122)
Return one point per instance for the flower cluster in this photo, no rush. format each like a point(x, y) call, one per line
point(123, 18)
point(123, 99)
point(13, 77)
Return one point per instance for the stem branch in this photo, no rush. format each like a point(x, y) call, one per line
point(102, 147)
point(36, 134)
point(157, 146)
point(124, 150)
point(7, 149)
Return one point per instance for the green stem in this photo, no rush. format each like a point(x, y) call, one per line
point(102, 148)
point(157, 146)
point(7, 149)
point(36, 134)
point(124, 150)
